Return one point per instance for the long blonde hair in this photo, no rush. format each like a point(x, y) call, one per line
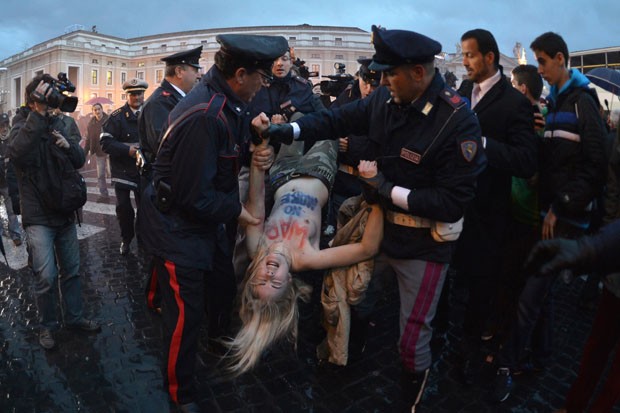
point(264, 321)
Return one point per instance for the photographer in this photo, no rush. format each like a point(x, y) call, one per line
point(52, 236)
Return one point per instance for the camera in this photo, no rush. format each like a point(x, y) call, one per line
point(338, 82)
point(58, 97)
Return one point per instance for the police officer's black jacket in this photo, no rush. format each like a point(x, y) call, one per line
point(507, 123)
point(346, 184)
point(199, 160)
point(431, 146)
point(28, 141)
point(119, 131)
point(154, 117)
point(291, 88)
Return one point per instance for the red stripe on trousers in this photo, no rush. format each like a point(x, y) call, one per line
point(175, 343)
point(152, 288)
point(432, 274)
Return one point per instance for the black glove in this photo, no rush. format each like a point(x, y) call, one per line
point(551, 256)
point(279, 133)
point(380, 185)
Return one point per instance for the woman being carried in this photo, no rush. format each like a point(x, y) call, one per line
point(288, 242)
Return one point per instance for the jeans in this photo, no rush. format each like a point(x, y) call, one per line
point(54, 251)
point(102, 162)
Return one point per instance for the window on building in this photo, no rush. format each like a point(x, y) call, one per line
point(17, 82)
point(338, 41)
point(123, 64)
point(38, 72)
point(141, 64)
point(95, 61)
point(362, 57)
point(183, 43)
point(123, 96)
point(159, 75)
point(108, 78)
point(316, 68)
point(110, 63)
point(94, 77)
point(315, 56)
point(595, 59)
point(315, 41)
point(163, 46)
point(109, 96)
point(292, 40)
point(73, 73)
point(140, 74)
point(123, 77)
point(144, 47)
point(339, 57)
point(613, 58)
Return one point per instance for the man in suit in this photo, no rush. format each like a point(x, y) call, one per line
point(509, 142)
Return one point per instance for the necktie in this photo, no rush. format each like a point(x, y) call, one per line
point(137, 113)
point(475, 95)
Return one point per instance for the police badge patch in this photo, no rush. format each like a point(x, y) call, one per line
point(469, 149)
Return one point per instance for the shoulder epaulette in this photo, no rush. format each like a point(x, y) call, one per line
point(452, 97)
point(301, 80)
point(116, 112)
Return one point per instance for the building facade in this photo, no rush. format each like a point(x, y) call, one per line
point(98, 64)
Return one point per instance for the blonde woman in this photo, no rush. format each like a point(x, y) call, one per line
point(288, 242)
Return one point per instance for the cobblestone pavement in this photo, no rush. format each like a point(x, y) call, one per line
point(119, 369)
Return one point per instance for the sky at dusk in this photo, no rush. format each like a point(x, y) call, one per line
point(584, 25)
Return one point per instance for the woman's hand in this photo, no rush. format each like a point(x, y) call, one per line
point(245, 218)
point(367, 169)
point(263, 157)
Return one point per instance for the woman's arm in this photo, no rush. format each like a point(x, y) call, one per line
point(256, 195)
point(344, 255)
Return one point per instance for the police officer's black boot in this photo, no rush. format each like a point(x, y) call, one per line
point(357, 337)
point(412, 387)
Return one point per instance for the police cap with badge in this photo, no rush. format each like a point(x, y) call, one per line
point(400, 47)
point(372, 77)
point(253, 51)
point(135, 85)
point(4, 118)
point(186, 57)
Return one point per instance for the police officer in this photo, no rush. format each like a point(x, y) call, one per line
point(351, 147)
point(195, 192)
point(119, 139)
point(182, 73)
point(7, 177)
point(428, 150)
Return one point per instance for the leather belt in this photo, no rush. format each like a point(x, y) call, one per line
point(406, 220)
point(348, 169)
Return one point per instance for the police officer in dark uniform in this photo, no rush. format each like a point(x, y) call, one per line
point(350, 148)
point(119, 139)
point(182, 73)
point(428, 150)
point(195, 192)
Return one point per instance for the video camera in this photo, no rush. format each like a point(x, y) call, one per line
point(338, 82)
point(58, 97)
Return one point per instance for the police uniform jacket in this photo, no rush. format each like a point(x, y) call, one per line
point(121, 130)
point(507, 122)
point(154, 116)
point(199, 160)
point(431, 146)
point(291, 88)
point(347, 184)
point(28, 142)
point(93, 133)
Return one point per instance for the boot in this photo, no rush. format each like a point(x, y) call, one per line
point(412, 386)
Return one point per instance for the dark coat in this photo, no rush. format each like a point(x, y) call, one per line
point(199, 160)
point(28, 141)
point(120, 130)
point(155, 117)
point(93, 134)
point(507, 122)
point(431, 146)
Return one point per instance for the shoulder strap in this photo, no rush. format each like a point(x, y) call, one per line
point(213, 107)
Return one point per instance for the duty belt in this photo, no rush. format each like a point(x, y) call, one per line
point(406, 220)
point(348, 169)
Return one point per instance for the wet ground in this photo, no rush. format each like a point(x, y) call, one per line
point(119, 369)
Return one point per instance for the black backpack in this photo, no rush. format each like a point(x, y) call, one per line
point(61, 188)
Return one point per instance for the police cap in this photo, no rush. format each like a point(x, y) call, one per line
point(399, 47)
point(186, 57)
point(4, 118)
point(253, 51)
point(135, 85)
point(371, 77)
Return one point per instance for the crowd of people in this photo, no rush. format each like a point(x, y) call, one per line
point(238, 176)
